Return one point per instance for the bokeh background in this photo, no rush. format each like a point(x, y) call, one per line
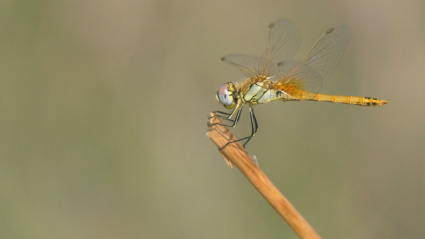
point(103, 112)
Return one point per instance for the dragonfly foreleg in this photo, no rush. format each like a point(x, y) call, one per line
point(227, 116)
point(223, 115)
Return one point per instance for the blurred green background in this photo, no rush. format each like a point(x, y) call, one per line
point(103, 112)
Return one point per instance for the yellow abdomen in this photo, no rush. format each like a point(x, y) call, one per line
point(351, 100)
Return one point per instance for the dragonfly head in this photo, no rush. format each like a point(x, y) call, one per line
point(227, 95)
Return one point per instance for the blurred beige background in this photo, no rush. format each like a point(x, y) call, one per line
point(104, 107)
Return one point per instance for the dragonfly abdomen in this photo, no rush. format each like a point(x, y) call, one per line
point(351, 100)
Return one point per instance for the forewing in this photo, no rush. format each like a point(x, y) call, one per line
point(328, 51)
point(284, 40)
point(251, 66)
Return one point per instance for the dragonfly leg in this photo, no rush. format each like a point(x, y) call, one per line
point(254, 128)
point(223, 115)
point(254, 125)
point(227, 116)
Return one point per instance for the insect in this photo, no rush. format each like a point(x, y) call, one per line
point(275, 76)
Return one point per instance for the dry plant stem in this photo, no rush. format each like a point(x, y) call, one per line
point(235, 154)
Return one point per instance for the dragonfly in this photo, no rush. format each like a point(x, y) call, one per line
point(275, 76)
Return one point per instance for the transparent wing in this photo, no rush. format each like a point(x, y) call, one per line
point(298, 79)
point(251, 66)
point(310, 74)
point(328, 51)
point(284, 41)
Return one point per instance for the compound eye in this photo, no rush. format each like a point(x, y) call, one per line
point(224, 95)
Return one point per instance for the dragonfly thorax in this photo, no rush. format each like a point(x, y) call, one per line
point(227, 95)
